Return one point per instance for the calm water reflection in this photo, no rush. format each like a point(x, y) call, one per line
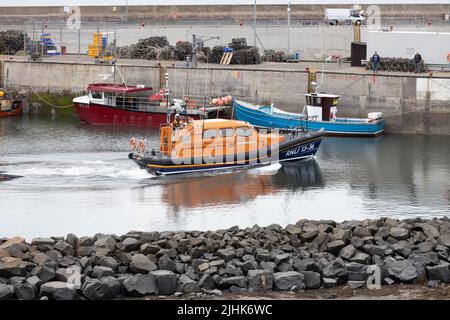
point(77, 178)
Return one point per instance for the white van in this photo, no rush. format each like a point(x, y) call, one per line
point(337, 16)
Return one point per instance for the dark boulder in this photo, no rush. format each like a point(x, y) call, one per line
point(25, 291)
point(239, 281)
point(99, 289)
point(375, 250)
point(207, 282)
point(165, 263)
point(58, 290)
point(107, 242)
point(101, 271)
point(361, 257)
point(312, 279)
point(227, 254)
point(65, 248)
point(260, 280)
point(166, 281)
point(141, 264)
point(283, 257)
point(440, 272)
point(284, 281)
point(402, 270)
point(361, 232)
point(149, 248)
point(356, 271)
point(336, 269)
point(44, 272)
point(6, 291)
point(140, 285)
point(187, 285)
point(10, 267)
point(399, 233)
point(403, 248)
point(128, 245)
point(347, 252)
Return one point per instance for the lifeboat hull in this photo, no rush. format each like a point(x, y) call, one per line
point(292, 149)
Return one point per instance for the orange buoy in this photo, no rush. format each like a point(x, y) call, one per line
point(142, 145)
point(224, 100)
point(230, 99)
point(133, 143)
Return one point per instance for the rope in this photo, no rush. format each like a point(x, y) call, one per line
point(50, 104)
point(406, 112)
point(420, 109)
point(441, 85)
point(349, 85)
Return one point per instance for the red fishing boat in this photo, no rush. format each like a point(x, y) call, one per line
point(135, 106)
point(9, 106)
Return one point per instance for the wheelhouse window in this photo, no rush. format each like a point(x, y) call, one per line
point(186, 138)
point(243, 132)
point(210, 134)
point(96, 95)
point(226, 132)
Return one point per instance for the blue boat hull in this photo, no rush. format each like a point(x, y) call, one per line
point(341, 126)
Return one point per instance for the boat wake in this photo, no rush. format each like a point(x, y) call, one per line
point(115, 171)
point(268, 170)
point(75, 171)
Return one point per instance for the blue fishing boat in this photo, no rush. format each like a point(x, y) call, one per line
point(319, 113)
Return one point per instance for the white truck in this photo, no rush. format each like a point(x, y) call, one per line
point(339, 16)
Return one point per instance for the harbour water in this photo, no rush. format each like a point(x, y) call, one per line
point(77, 178)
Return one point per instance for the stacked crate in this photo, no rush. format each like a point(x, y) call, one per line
point(99, 43)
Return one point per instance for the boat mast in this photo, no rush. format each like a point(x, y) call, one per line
point(166, 93)
point(120, 74)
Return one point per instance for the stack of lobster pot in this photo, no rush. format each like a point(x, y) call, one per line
point(398, 65)
point(244, 54)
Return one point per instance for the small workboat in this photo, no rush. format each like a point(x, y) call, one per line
point(9, 106)
point(213, 144)
point(319, 113)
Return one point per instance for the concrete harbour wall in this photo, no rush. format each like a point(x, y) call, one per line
point(410, 104)
point(212, 12)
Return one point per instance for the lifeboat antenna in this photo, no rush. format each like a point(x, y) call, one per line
point(166, 93)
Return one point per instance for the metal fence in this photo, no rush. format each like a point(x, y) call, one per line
point(77, 41)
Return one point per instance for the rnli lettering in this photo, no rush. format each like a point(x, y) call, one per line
point(301, 149)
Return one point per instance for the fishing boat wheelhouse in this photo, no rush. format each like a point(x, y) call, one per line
point(321, 110)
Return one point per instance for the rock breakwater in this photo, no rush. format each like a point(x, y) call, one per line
point(302, 256)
